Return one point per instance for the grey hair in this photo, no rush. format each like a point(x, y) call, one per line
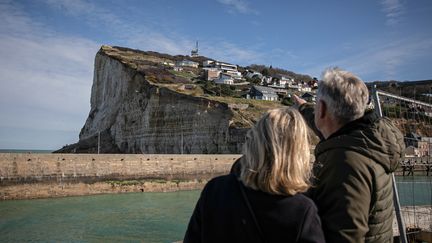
point(345, 94)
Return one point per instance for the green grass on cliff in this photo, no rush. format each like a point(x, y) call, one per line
point(184, 74)
point(247, 117)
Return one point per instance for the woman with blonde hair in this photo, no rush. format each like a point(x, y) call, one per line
point(262, 201)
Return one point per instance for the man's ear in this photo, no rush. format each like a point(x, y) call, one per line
point(322, 109)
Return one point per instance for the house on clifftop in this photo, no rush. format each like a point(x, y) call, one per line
point(263, 93)
point(187, 63)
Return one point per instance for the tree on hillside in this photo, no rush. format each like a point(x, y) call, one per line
point(265, 72)
point(273, 71)
point(254, 80)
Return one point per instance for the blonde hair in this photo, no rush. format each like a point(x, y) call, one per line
point(276, 154)
point(346, 95)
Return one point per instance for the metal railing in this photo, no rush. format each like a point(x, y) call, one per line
point(414, 118)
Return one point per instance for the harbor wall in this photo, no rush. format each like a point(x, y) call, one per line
point(25, 176)
point(28, 168)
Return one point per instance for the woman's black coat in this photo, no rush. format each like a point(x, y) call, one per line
point(221, 215)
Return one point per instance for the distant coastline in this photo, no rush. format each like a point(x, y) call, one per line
point(32, 151)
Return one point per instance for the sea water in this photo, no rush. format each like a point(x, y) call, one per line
point(414, 190)
point(133, 217)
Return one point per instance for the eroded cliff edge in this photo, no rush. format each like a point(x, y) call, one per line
point(130, 114)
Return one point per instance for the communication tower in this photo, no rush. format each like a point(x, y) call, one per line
point(194, 52)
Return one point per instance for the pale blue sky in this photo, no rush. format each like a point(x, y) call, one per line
point(47, 47)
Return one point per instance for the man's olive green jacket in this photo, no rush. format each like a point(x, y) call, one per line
point(353, 186)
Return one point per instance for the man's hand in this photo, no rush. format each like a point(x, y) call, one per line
point(298, 101)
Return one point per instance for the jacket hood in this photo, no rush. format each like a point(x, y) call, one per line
point(371, 136)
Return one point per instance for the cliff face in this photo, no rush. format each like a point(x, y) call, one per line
point(134, 115)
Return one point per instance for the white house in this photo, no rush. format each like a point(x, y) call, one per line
point(168, 64)
point(263, 93)
point(294, 87)
point(251, 74)
point(211, 73)
point(208, 63)
point(226, 68)
point(234, 74)
point(305, 88)
point(224, 79)
point(411, 151)
point(266, 80)
point(187, 63)
point(178, 69)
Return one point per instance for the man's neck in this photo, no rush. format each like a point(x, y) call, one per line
point(332, 126)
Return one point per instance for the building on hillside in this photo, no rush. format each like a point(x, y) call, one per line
point(234, 74)
point(412, 139)
point(428, 146)
point(178, 69)
point(282, 80)
point(305, 89)
point(309, 97)
point(171, 64)
point(281, 83)
point(294, 87)
point(224, 79)
point(422, 144)
point(411, 151)
point(313, 83)
point(423, 148)
point(187, 63)
point(211, 73)
point(263, 93)
point(253, 74)
point(208, 63)
point(266, 80)
point(226, 68)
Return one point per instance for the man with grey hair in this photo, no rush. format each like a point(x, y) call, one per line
point(354, 160)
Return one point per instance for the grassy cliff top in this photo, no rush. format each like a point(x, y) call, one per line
point(135, 58)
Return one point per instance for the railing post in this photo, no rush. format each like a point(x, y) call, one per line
point(401, 224)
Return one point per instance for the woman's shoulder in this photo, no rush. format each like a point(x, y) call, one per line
point(221, 182)
point(299, 202)
point(304, 199)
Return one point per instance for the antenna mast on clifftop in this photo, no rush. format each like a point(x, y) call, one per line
point(194, 52)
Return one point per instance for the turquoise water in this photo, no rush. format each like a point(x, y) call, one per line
point(134, 217)
point(414, 190)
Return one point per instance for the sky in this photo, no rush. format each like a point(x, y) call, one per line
point(47, 47)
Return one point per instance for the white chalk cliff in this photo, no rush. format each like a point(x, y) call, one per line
point(134, 115)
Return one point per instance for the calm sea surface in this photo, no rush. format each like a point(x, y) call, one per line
point(414, 190)
point(134, 217)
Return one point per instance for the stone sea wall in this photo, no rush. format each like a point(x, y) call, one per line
point(24, 176)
